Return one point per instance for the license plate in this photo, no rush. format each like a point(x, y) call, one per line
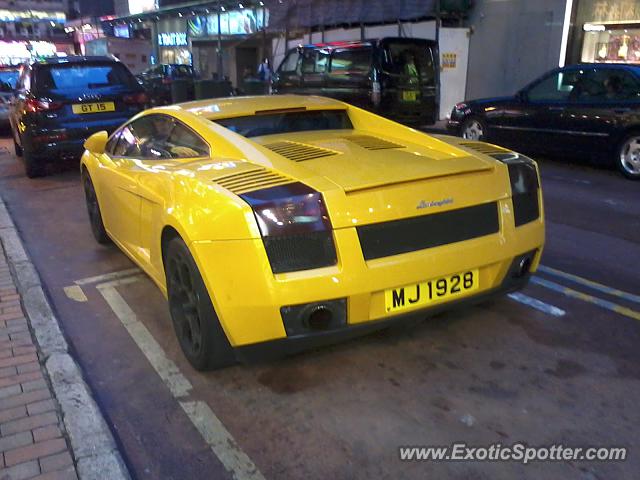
point(93, 107)
point(431, 291)
point(410, 96)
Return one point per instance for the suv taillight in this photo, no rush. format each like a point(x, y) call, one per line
point(295, 227)
point(34, 105)
point(135, 98)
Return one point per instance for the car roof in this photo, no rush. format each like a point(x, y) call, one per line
point(622, 66)
point(229, 107)
point(73, 59)
point(361, 43)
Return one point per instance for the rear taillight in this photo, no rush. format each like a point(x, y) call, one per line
point(295, 227)
point(34, 105)
point(135, 98)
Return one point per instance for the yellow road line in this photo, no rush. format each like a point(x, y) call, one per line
point(569, 292)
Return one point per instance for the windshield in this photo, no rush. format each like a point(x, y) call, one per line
point(412, 61)
point(287, 122)
point(83, 76)
point(10, 77)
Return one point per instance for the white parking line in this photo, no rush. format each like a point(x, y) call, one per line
point(219, 439)
point(107, 276)
point(537, 304)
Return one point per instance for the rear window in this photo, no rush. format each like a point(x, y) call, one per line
point(83, 76)
point(287, 122)
point(10, 77)
point(409, 60)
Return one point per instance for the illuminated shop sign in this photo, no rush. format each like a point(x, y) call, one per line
point(238, 22)
point(19, 15)
point(141, 6)
point(172, 39)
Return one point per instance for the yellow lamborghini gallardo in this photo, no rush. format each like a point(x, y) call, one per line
point(273, 224)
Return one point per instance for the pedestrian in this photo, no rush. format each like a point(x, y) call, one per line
point(264, 75)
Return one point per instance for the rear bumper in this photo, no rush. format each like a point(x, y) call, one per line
point(295, 344)
point(61, 142)
point(248, 297)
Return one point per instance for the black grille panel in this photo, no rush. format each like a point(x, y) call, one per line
point(292, 253)
point(402, 236)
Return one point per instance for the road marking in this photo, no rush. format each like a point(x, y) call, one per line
point(569, 292)
point(537, 304)
point(74, 292)
point(107, 276)
point(168, 371)
point(590, 283)
point(212, 430)
point(221, 441)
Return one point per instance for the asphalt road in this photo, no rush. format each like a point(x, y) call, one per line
point(566, 370)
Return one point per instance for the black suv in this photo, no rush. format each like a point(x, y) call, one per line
point(60, 102)
point(157, 81)
point(394, 77)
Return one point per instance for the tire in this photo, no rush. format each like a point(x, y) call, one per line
point(474, 129)
point(628, 156)
point(32, 166)
point(196, 324)
point(93, 209)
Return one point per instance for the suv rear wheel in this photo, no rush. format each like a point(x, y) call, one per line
point(32, 165)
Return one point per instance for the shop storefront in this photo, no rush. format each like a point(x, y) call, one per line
point(172, 41)
point(606, 31)
point(242, 49)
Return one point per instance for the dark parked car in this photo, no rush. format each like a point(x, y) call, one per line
point(394, 77)
point(157, 81)
point(8, 79)
point(60, 102)
point(590, 110)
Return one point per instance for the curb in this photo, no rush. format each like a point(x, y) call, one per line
point(93, 446)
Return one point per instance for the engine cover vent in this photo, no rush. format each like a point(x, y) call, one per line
point(485, 148)
point(373, 143)
point(255, 178)
point(299, 152)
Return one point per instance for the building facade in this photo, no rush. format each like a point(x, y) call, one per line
point(31, 28)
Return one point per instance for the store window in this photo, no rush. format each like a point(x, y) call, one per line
point(611, 46)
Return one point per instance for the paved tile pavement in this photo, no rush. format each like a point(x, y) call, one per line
point(33, 441)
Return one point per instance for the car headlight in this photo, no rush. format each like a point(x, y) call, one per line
point(295, 227)
point(523, 177)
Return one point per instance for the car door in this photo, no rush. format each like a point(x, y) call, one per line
point(288, 78)
point(605, 99)
point(348, 76)
point(118, 192)
point(313, 67)
point(539, 120)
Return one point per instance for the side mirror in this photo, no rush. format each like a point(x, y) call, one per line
point(97, 142)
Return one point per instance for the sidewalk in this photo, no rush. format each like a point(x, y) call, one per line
point(50, 425)
point(33, 441)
